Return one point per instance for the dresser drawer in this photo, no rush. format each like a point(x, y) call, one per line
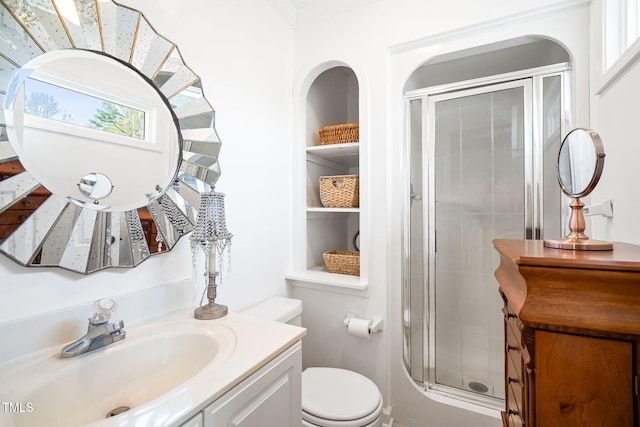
point(514, 414)
point(30, 202)
point(515, 420)
point(513, 339)
point(511, 318)
point(515, 387)
point(15, 217)
point(511, 420)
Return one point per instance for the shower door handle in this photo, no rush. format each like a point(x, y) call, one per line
point(413, 196)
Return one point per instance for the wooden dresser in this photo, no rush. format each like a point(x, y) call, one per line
point(14, 215)
point(572, 335)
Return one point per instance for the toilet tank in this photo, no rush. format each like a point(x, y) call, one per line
point(279, 309)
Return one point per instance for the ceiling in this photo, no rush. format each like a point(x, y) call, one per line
point(301, 4)
point(291, 10)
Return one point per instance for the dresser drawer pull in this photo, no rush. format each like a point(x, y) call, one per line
point(26, 203)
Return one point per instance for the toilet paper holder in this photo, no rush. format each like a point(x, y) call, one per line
point(375, 324)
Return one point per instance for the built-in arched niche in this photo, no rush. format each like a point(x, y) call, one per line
point(484, 126)
point(332, 98)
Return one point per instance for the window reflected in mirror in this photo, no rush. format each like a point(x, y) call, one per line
point(54, 102)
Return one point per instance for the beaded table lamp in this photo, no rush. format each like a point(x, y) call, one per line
point(211, 235)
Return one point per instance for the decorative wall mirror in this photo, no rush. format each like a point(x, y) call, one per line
point(106, 140)
point(580, 164)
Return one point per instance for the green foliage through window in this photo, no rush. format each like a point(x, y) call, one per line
point(118, 119)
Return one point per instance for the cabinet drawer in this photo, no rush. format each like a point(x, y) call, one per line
point(30, 202)
point(513, 340)
point(511, 420)
point(513, 412)
point(514, 332)
point(515, 421)
point(511, 319)
point(515, 391)
point(15, 217)
point(18, 213)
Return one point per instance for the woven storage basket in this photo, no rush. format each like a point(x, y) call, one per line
point(339, 134)
point(342, 191)
point(343, 262)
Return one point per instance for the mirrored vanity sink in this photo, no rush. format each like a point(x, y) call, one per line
point(161, 374)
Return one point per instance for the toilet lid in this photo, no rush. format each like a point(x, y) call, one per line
point(338, 394)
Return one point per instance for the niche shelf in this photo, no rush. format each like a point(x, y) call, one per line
point(333, 98)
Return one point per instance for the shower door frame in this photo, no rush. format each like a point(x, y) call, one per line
point(424, 375)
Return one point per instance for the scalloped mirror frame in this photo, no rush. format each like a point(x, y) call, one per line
point(58, 233)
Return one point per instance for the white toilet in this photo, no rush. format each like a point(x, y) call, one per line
point(331, 397)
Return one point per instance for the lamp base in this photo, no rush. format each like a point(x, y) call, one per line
point(210, 311)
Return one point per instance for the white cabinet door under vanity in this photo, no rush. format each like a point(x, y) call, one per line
point(269, 397)
point(196, 421)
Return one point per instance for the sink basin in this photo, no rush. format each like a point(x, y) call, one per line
point(127, 376)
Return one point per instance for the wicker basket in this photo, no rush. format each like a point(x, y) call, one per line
point(343, 262)
point(342, 191)
point(339, 134)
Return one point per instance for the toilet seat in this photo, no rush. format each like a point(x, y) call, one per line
point(334, 397)
point(373, 420)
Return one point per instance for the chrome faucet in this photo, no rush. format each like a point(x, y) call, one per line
point(100, 332)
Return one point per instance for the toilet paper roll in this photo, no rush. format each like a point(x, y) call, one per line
point(359, 328)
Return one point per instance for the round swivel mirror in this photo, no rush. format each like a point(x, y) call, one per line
point(580, 164)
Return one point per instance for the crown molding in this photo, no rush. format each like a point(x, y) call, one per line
point(286, 10)
point(483, 26)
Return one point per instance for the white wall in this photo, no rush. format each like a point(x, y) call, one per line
point(385, 41)
point(614, 113)
point(243, 51)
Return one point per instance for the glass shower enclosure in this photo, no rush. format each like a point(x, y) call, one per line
point(481, 159)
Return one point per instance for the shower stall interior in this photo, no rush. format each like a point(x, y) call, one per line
point(480, 160)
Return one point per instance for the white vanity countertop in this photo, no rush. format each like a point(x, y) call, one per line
point(247, 343)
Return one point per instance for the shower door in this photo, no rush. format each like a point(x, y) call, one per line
point(482, 167)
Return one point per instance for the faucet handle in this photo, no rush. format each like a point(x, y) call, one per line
point(104, 309)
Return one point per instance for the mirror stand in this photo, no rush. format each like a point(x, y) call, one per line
point(577, 240)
